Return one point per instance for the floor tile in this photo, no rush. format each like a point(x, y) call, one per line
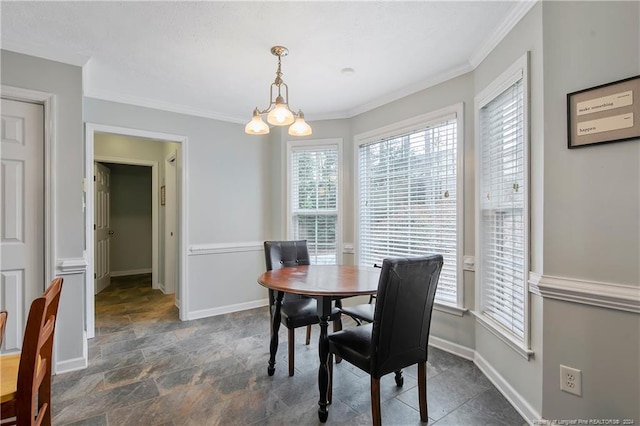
point(146, 367)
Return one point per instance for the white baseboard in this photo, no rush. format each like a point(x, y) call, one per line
point(99, 288)
point(204, 313)
point(517, 401)
point(71, 365)
point(130, 272)
point(454, 348)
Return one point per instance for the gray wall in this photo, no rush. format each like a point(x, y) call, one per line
point(225, 171)
point(65, 82)
point(525, 376)
point(130, 218)
point(591, 213)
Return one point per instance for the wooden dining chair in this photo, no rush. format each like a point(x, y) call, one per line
point(3, 323)
point(296, 310)
point(399, 334)
point(30, 403)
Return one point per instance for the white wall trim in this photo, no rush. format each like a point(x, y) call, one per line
point(219, 248)
point(90, 130)
point(204, 313)
point(518, 12)
point(72, 266)
point(606, 295)
point(534, 282)
point(161, 105)
point(132, 272)
point(454, 348)
point(69, 365)
point(517, 401)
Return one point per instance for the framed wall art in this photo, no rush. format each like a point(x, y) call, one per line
point(603, 114)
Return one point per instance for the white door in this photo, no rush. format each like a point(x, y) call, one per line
point(101, 224)
point(171, 234)
point(21, 214)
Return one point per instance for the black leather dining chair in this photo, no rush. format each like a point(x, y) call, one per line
point(399, 334)
point(296, 310)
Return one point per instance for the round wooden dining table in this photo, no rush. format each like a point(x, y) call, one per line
point(325, 283)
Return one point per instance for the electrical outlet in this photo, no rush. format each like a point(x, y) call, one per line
point(570, 380)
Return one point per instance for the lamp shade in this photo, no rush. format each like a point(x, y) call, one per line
point(256, 126)
point(300, 127)
point(280, 115)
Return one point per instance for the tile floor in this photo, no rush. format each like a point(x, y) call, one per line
point(147, 367)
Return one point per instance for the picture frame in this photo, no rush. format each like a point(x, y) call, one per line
point(604, 114)
point(162, 195)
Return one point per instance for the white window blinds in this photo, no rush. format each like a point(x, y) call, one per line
point(408, 200)
point(502, 204)
point(314, 200)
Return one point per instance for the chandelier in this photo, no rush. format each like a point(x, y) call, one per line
point(278, 111)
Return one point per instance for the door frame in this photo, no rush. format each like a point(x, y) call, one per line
point(90, 130)
point(171, 158)
point(154, 211)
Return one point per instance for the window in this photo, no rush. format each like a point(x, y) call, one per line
point(314, 197)
point(409, 205)
point(502, 205)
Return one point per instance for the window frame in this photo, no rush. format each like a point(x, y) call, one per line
point(311, 145)
point(415, 124)
point(516, 72)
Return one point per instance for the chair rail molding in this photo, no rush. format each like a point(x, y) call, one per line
point(606, 295)
point(71, 266)
point(219, 248)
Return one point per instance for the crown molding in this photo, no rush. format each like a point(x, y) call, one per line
point(409, 90)
point(160, 105)
point(606, 295)
point(517, 13)
point(57, 55)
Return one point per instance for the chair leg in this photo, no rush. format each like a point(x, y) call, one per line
point(375, 402)
point(399, 378)
point(422, 391)
point(308, 335)
point(330, 391)
point(292, 340)
point(337, 326)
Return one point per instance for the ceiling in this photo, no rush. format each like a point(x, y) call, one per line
point(213, 59)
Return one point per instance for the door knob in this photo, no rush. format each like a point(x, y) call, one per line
point(111, 232)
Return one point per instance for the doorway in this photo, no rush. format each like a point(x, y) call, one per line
point(159, 192)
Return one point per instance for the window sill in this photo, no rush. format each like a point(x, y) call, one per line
point(453, 310)
point(497, 331)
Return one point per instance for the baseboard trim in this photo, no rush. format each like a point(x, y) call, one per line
point(204, 313)
point(70, 365)
point(130, 272)
point(454, 348)
point(606, 295)
point(515, 399)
